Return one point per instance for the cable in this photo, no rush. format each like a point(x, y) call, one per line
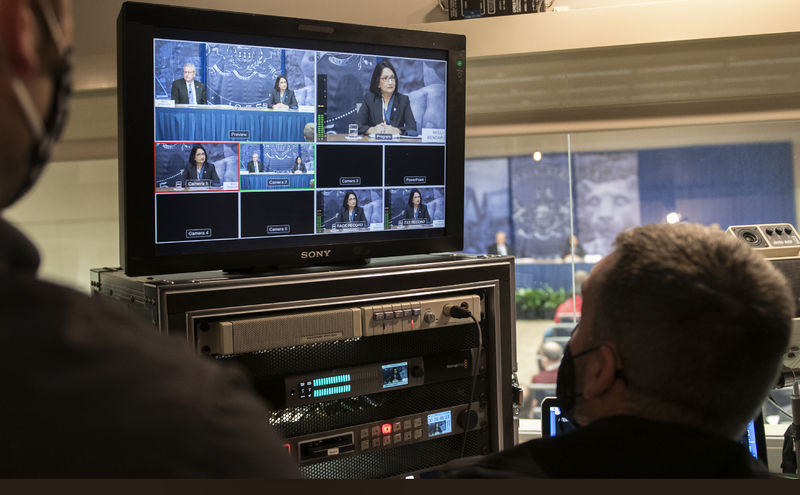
point(459, 312)
point(778, 407)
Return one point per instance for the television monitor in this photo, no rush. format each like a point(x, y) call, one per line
point(251, 141)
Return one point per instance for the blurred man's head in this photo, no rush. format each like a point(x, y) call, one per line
point(189, 72)
point(500, 238)
point(552, 353)
point(681, 324)
point(35, 41)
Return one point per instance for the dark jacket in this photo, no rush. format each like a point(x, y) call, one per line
point(92, 393)
point(422, 212)
point(344, 215)
point(289, 99)
point(208, 172)
point(181, 95)
point(251, 167)
point(371, 114)
point(301, 167)
point(493, 249)
point(616, 447)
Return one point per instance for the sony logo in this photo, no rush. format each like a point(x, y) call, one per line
point(315, 254)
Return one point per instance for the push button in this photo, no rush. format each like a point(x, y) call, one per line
point(398, 437)
point(407, 436)
point(417, 434)
point(387, 440)
point(364, 444)
point(364, 432)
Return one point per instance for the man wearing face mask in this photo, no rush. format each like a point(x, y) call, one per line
point(88, 392)
point(680, 340)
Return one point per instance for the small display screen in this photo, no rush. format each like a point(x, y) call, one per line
point(395, 374)
point(439, 423)
point(558, 423)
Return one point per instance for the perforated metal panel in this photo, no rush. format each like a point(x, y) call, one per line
point(398, 461)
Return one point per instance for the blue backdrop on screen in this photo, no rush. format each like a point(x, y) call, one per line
point(486, 203)
point(349, 76)
point(237, 75)
point(278, 157)
point(171, 158)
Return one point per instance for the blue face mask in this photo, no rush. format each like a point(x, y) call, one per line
point(46, 131)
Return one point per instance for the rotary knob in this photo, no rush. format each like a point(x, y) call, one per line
point(429, 317)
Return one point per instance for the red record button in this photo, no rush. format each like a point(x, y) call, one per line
point(386, 429)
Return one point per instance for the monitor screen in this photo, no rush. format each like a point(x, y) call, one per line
point(440, 423)
point(280, 141)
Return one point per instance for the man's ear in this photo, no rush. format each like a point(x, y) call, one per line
point(18, 32)
point(600, 372)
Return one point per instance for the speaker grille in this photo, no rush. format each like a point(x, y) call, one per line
point(397, 461)
point(289, 330)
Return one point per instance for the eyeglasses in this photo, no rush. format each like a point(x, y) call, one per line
point(388, 78)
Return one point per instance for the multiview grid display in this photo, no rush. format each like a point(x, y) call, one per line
point(259, 142)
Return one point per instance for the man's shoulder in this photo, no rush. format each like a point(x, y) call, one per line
point(515, 462)
point(616, 447)
point(89, 379)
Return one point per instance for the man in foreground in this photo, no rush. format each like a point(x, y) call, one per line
point(680, 340)
point(88, 392)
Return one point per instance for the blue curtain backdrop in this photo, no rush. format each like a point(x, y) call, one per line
point(719, 184)
point(486, 203)
point(540, 205)
point(728, 185)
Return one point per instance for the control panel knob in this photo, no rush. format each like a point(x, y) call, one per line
point(429, 317)
point(467, 419)
point(768, 231)
point(788, 230)
point(778, 230)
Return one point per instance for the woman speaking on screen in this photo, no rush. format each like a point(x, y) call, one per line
point(385, 110)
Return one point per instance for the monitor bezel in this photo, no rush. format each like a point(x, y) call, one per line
point(139, 24)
